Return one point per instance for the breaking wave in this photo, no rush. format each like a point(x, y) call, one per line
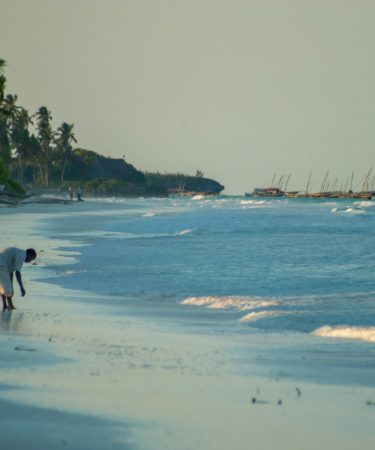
point(344, 332)
point(255, 203)
point(256, 305)
point(253, 316)
point(181, 233)
point(236, 302)
point(353, 210)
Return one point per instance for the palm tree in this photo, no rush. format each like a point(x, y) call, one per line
point(8, 113)
point(45, 138)
point(63, 143)
point(3, 81)
point(4, 142)
point(20, 139)
point(5, 154)
point(2, 65)
point(34, 156)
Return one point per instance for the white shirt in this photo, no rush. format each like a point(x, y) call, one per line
point(12, 258)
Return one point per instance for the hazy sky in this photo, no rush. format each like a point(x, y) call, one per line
point(238, 89)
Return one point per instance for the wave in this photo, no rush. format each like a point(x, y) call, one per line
point(236, 302)
point(113, 200)
point(353, 210)
point(199, 197)
point(255, 203)
point(149, 214)
point(365, 204)
point(344, 332)
point(68, 273)
point(181, 233)
point(256, 315)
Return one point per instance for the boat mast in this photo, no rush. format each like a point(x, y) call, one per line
point(286, 183)
point(280, 181)
point(334, 184)
point(324, 181)
point(308, 183)
point(346, 184)
point(365, 182)
point(351, 183)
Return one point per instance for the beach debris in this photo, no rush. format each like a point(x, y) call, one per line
point(299, 393)
point(255, 400)
point(24, 349)
point(50, 339)
point(370, 403)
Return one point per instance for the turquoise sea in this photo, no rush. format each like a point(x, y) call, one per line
point(294, 279)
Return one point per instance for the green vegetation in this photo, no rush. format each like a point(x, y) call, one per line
point(33, 153)
point(8, 185)
point(180, 183)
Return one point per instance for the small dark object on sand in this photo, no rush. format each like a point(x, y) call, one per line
point(299, 393)
point(254, 401)
point(370, 403)
point(259, 402)
point(24, 349)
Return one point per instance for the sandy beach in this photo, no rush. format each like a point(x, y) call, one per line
point(78, 372)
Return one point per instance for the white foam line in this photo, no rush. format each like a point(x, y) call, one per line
point(253, 316)
point(237, 302)
point(344, 332)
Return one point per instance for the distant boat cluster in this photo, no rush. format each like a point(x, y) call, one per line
point(275, 192)
point(327, 190)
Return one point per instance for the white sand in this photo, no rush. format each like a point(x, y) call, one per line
point(77, 375)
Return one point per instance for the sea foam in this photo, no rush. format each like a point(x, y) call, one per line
point(237, 302)
point(354, 210)
point(344, 332)
point(254, 203)
point(181, 233)
point(253, 316)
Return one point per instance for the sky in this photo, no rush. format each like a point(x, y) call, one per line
point(240, 89)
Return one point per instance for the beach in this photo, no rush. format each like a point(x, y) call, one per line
point(92, 360)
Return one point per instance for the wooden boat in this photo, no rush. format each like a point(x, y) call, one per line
point(266, 192)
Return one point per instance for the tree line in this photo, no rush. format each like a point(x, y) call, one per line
point(28, 141)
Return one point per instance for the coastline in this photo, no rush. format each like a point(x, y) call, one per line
point(138, 382)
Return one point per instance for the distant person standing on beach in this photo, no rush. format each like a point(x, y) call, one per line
point(11, 260)
point(79, 193)
point(71, 192)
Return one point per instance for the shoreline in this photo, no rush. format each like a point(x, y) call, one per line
point(146, 384)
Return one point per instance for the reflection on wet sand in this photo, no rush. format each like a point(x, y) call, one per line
point(13, 321)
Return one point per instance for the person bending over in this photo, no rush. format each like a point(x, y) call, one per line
point(11, 260)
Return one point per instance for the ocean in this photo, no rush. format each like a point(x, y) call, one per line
point(291, 279)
